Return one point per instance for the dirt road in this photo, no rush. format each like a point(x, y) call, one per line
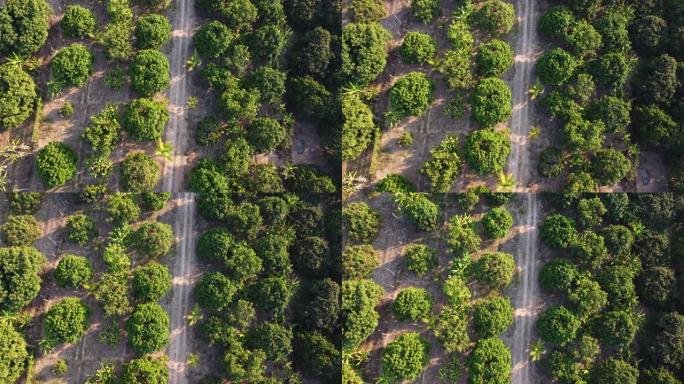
point(526, 47)
point(526, 300)
point(177, 134)
point(177, 131)
point(183, 280)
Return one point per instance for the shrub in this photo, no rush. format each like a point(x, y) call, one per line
point(405, 357)
point(311, 256)
point(589, 249)
point(358, 261)
point(412, 95)
point(609, 166)
point(24, 25)
point(557, 325)
point(73, 271)
point(20, 230)
point(613, 370)
point(78, 22)
point(492, 316)
point(412, 304)
point(145, 370)
point(359, 126)
point(460, 37)
point(19, 274)
point(323, 309)
point(154, 201)
point(487, 150)
point(80, 228)
point(364, 52)
point(151, 282)
point(317, 355)
point(497, 222)
point(309, 98)
point(145, 119)
point(444, 165)
point(14, 353)
point(420, 259)
point(148, 328)
point(665, 345)
point(461, 236)
point(556, 66)
point(24, 203)
point(418, 48)
point(496, 17)
point(491, 101)
point(139, 173)
point(238, 14)
point(558, 275)
point(451, 329)
point(273, 338)
point(558, 231)
point(361, 223)
point(103, 131)
point(557, 22)
point(213, 39)
point(56, 164)
point(152, 32)
point(214, 291)
point(266, 134)
point(494, 58)
point(153, 239)
point(658, 376)
point(456, 69)
point(67, 320)
point(238, 103)
point(367, 11)
point(590, 212)
point(359, 318)
point(495, 269)
point(457, 292)
point(490, 362)
point(422, 212)
point(121, 209)
point(72, 65)
point(149, 72)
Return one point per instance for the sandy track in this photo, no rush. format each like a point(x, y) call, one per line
point(183, 280)
point(177, 132)
point(519, 161)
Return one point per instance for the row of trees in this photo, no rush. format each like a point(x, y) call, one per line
point(613, 256)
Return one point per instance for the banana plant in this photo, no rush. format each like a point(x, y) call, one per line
point(536, 90)
point(164, 149)
point(194, 316)
point(537, 351)
point(506, 181)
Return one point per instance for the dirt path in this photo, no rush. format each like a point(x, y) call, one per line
point(183, 280)
point(519, 161)
point(526, 299)
point(177, 132)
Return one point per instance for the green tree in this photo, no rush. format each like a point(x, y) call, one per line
point(72, 65)
point(412, 95)
point(487, 150)
point(418, 48)
point(492, 316)
point(73, 271)
point(496, 17)
point(103, 131)
point(56, 164)
point(151, 282)
point(67, 320)
point(491, 101)
point(583, 39)
point(444, 165)
point(664, 347)
point(364, 52)
point(497, 222)
point(359, 128)
point(145, 119)
point(139, 173)
point(422, 212)
point(405, 357)
point(610, 70)
point(361, 223)
point(591, 212)
point(614, 112)
point(358, 261)
point(452, 330)
point(558, 231)
point(495, 269)
point(145, 370)
point(13, 354)
point(272, 338)
point(19, 275)
point(121, 209)
point(425, 10)
point(558, 275)
point(461, 236)
point(148, 328)
point(420, 259)
point(494, 58)
point(610, 166)
point(20, 230)
point(456, 68)
point(457, 292)
point(149, 72)
point(557, 325)
point(556, 66)
point(648, 34)
point(152, 32)
point(272, 293)
point(213, 39)
point(24, 26)
point(153, 239)
point(266, 134)
point(490, 362)
point(314, 53)
point(214, 291)
point(557, 22)
point(78, 22)
point(614, 371)
point(616, 328)
point(359, 318)
point(80, 228)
